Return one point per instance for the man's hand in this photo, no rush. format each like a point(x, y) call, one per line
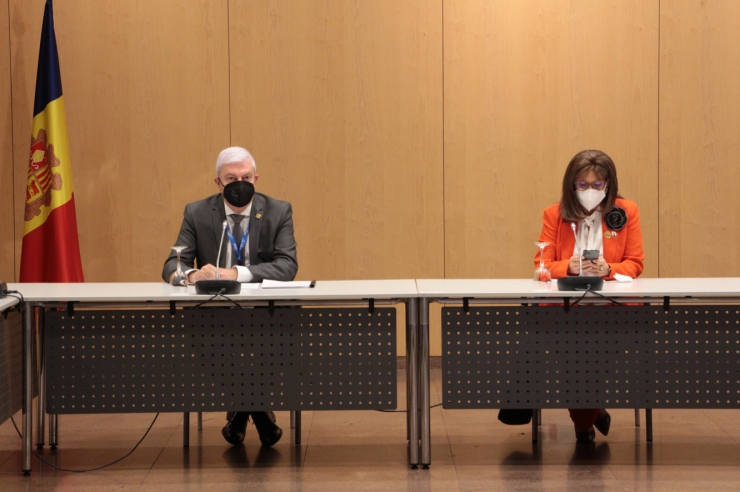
point(208, 272)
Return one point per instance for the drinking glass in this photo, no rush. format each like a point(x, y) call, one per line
point(179, 278)
point(542, 275)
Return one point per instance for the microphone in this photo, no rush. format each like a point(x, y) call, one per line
point(580, 257)
point(220, 243)
point(218, 287)
point(580, 282)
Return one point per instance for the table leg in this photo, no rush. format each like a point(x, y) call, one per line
point(637, 417)
point(412, 377)
point(41, 370)
point(298, 427)
point(200, 421)
point(185, 429)
point(27, 422)
point(424, 385)
point(649, 424)
point(53, 430)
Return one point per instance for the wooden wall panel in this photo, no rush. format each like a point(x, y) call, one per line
point(699, 146)
point(146, 88)
point(7, 241)
point(341, 104)
point(415, 139)
point(528, 84)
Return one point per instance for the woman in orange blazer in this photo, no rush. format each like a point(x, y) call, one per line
point(605, 222)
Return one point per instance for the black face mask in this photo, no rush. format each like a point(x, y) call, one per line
point(239, 193)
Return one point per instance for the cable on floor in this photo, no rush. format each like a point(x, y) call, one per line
point(97, 467)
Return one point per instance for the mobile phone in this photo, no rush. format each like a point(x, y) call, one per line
point(590, 254)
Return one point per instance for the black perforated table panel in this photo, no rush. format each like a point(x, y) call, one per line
point(591, 357)
point(110, 361)
point(11, 364)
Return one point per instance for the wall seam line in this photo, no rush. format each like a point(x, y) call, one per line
point(16, 259)
point(228, 51)
point(659, 17)
point(444, 204)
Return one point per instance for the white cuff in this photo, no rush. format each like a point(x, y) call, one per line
point(243, 274)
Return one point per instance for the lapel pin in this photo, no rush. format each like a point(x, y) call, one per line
point(614, 233)
point(607, 234)
point(258, 216)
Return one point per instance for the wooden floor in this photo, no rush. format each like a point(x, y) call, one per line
point(366, 450)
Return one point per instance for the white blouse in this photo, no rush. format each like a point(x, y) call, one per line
point(589, 234)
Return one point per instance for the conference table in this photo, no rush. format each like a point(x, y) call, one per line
point(152, 347)
point(506, 343)
point(672, 343)
point(7, 303)
point(10, 358)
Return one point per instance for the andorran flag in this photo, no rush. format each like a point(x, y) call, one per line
point(51, 250)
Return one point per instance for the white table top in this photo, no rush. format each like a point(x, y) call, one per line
point(160, 291)
point(8, 302)
point(376, 289)
point(515, 288)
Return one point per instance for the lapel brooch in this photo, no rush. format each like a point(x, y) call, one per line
point(615, 220)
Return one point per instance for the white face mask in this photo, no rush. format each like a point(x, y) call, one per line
point(590, 198)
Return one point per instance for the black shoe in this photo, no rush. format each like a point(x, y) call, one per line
point(586, 436)
point(269, 432)
point(603, 423)
point(514, 416)
point(234, 431)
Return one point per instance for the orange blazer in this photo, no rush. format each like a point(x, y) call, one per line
point(622, 249)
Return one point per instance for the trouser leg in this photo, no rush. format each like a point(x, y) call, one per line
point(583, 419)
point(260, 417)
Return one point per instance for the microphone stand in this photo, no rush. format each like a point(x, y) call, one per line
point(218, 286)
point(580, 282)
point(220, 244)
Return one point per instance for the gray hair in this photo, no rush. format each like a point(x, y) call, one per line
point(232, 155)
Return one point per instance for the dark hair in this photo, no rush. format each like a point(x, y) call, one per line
point(583, 162)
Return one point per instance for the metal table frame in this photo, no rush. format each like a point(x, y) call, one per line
point(518, 296)
point(33, 317)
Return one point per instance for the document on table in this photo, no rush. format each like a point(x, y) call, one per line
point(275, 284)
point(247, 286)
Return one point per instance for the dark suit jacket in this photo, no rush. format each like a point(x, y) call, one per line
point(272, 248)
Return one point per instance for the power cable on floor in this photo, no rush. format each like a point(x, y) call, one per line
point(97, 467)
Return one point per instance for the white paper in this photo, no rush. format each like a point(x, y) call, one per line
point(250, 286)
point(622, 278)
point(275, 284)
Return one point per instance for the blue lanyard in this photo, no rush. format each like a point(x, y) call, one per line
point(238, 250)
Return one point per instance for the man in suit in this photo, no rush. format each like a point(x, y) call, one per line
point(259, 245)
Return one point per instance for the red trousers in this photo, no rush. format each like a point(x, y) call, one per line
point(584, 419)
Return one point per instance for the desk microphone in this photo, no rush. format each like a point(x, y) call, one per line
point(580, 257)
point(580, 282)
point(218, 286)
point(220, 244)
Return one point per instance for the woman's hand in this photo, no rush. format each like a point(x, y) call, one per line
point(596, 268)
point(574, 267)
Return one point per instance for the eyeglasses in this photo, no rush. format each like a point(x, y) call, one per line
point(596, 185)
point(231, 178)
